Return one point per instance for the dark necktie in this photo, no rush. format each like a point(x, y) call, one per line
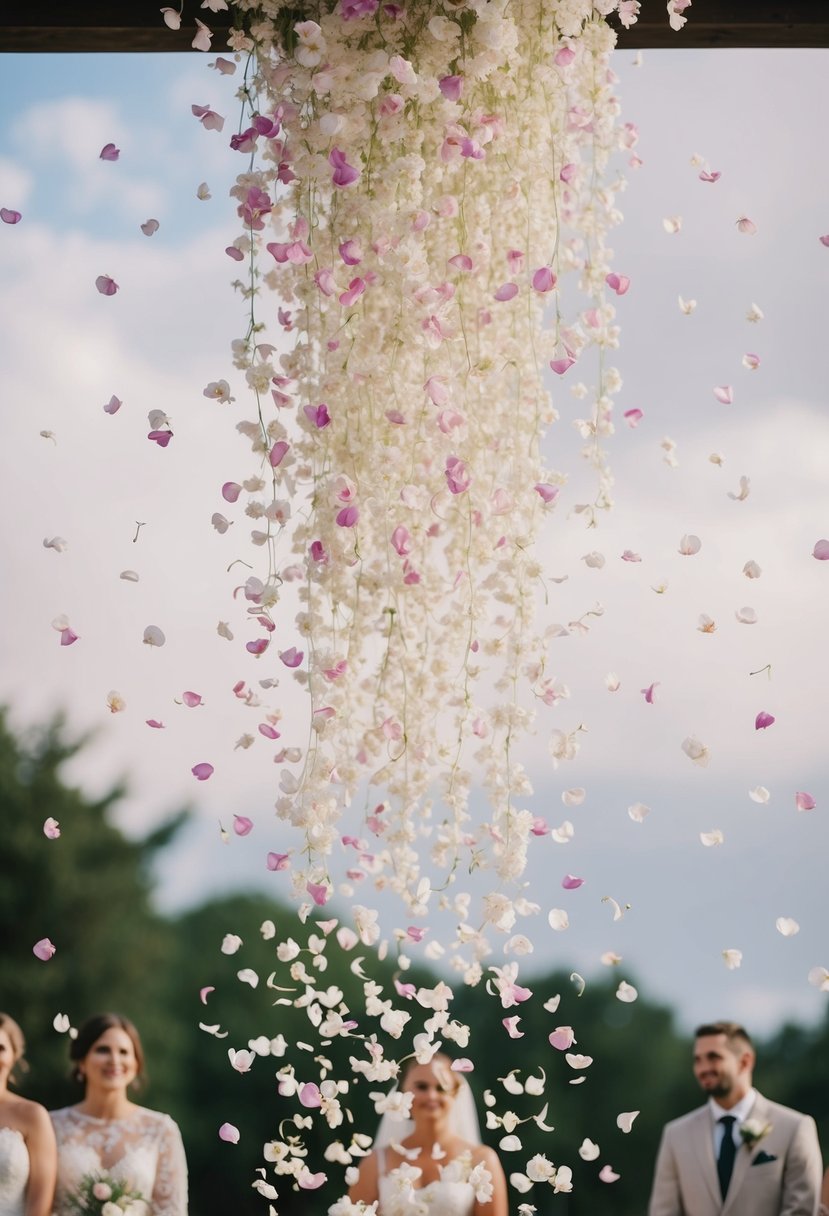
point(728, 1151)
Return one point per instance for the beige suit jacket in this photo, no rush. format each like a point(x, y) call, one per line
point(780, 1176)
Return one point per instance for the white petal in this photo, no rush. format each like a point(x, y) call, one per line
point(787, 926)
point(558, 919)
point(626, 993)
point(574, 797)
point(732, 959)
point(129, 576)
point(625, 1121)
point(638, 812)
point(746, 616)
point(711, 839)
point(759, 794)
point(589, 1151)
point(575, 1060)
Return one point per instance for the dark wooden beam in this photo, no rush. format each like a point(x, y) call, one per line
point(137, 25)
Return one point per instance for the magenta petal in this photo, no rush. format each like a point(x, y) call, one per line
point(109, 152)
point(348, 517)
point(68, 636)
point(242, 826)
point(507, 291)
point(236, 254)
point(560, 366)
point(10, 217)
point(562, 1038)
point(633, 417)
point(106, 285)
point(571, 883)
point(544, 279)
point(804, 801)
point(278, 453)
point(155, 724)
point(268, 731)
point(618, 283)
point(824, 240)
point(821, 551)
point(763, 720)
point(162, 438)
point(318, 892)
point(258, 647)
point(231, 491)
point(451, 87)
point(43, 949)
point(202, 771)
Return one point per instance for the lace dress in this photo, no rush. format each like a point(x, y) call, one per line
point(14, 1172)
point(143, 1150)
point(450, 1195)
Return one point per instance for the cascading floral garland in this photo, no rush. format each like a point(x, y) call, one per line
point(429, 194)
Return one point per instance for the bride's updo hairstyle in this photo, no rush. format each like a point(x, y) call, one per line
point(91, 1031)
point(18, 1044)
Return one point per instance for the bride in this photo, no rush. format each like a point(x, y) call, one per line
point(107, 1143)
point(433, 1164)
point(27, 1145)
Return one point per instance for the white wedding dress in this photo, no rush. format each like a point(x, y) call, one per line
point(400, 1195)
point(143, 1150)
point(14, 1172)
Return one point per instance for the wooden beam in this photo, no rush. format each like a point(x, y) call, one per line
point(137, 25)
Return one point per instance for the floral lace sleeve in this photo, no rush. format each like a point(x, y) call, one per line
point(170, 1190)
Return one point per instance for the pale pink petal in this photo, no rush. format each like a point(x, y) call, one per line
point(689, 545)
point(278, 861)
point(571, 883)
point(511, 1026)
point(310, 1182)
point(750, 361)
point(633, 417)
point(319, 892)
point(804, 801)
point(507, 291)
point(201, 42)
point(149, 227)
point(562, 1038)
point(824, 240)
point(113, 406)
point(202, 771)
point(746, 226)
point(43, 949)
point(821, 550)
point(546, 492)
point(51, 829)
point(172, 18)
point(229, 1133)
point(204, 993)
point(620, 283)
point(624, 1122)
point(710, 175)
point(724, 394)
point(462, 1065)
point(309, 1095)
point(242, 826)
point(606, 1174)
point(292, 657)
point(192, 699)
point(106, 285)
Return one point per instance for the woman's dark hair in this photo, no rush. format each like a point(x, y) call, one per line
point(18, 1044)
point(91, 1031)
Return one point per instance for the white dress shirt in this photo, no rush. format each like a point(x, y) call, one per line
point(740, 1112)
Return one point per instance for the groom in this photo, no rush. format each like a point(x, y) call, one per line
point(739, 1155)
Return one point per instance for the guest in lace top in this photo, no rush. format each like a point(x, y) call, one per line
point(106, 1137)
point(27, 1144)
point(433, 1164)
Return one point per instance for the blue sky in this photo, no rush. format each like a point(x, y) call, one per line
point(756, 116)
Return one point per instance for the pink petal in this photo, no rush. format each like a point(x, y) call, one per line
point(229, 1133)
point(204, 993)
point(619, 283)
point(804, 801)
point(461, 261)
point(43, 949)
point(606, 1174)
point(544, 279)
point(724, 394)
point(633, 417)
point(560, 366)
point(68, 636)
point(236, 254)
point(309, 1096)
point(462, 1065)
point(562, 1038)
point(571, 883)
point(821, 551)
point(162, 438)
point(51, 829)
point(202, 771)
point(231, 491)
point(310, 1182)
point(567, 173)
point(149, 227)
point(242, 826)
point(710, 175)
point(564, 57)
point(268, 731)
point(191, 699)
point(106, 285)
point(155, 724)
point(415, 934)
point(824, 240)
point(10, 217)
point(763, 720)
point(649, 693)
point(507, 291)
point(746, 226)
point(109, 152)
point(278, 453)
point(318, 892)
point(511, 1027)
point(348, 517)
point(451, 87)
point(292, 657)
point(113, 406)
point(258, 647)
point(547, 492)
point(278, 861)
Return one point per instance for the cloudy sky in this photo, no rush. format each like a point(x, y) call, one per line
point(65, 350)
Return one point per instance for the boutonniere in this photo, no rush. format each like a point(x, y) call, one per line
point(752, 1132)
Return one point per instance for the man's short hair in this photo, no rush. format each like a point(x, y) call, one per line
point(738, 1037)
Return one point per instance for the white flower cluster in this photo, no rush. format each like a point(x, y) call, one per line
point(432, 210)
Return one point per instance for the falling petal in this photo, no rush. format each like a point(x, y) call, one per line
point(620, 283)
point(696, 751)
point(113, 406)
point(153, 636)
point(610, 958)
point(724, 394)
point(746, 226)
point(712, 839)
point(155, 724)
point(763, 720)
point(732, 959)
point(575, 1060)
point(786, 926)
point(752, 570)
point(633, 417)
point(192, 699)
point(231, 943)
point(558, 919)
point(202, 771)
point(574, 797)
point(804, 801)
point(710, 175)
point(106, 286)
point(61, 1023)
point(689, 545)
point(43, 949)
point(819, 977)
point(821, 551)
point(746, 616)
point(686, 306)
point(242, 826)
point(755, 313)
point(606, 1174)
point(51, 829)
point(57, 543)
point(624, 1122)
point(562, 1038)
point(109, 152)
point(172, 18)
point(638, 812)
point(626, 993)
point(8, 216)
point(759, 794)
point(589, 1151)
point(750, 362)
point(150, 227)
point(229, 1133)
point(116, 702)
point(672, 224)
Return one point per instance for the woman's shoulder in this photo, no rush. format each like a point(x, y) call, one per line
point(482, 1154)
point(23, 1113)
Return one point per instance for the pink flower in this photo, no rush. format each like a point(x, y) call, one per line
point(106, 285)
point(457, 476)
point(344, 173)
point(109, 152)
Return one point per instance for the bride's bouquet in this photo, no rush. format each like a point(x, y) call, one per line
point(100, 1195)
